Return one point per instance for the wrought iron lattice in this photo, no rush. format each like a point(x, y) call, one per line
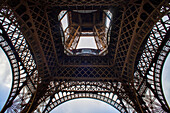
point(25, 75)
point(128, 77)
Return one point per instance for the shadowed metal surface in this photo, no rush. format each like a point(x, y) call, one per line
point(128, 77)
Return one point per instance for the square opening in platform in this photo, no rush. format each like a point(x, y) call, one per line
point(86, 32)
point(86, 42)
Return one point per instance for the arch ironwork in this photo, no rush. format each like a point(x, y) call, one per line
point(24, 72)
point(128, 77)
point(65, 91)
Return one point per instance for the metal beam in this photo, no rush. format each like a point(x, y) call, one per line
point(101, 41)
point(73, 37)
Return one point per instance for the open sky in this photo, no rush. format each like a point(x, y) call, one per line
point(73, 106)
point(86, 42)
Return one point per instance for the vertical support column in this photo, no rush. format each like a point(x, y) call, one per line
point(73, 37)
point(101, 41)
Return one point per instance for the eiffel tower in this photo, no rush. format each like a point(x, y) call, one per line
point(48, 69)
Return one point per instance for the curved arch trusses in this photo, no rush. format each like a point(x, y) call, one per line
point(24, 71)
point(131, 88)
point(113, 102)
point(147, 77)
point(64, 91)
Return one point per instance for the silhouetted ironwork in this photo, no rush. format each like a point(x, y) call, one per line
point(128, 77)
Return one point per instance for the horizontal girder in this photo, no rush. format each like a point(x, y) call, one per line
point(128, 77)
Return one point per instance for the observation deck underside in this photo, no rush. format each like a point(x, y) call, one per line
point(126, 72)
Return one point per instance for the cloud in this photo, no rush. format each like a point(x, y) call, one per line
point(3, 95)
point(166, 79)
point(5, 78)
point(5, 70)
point(77, 105)
point(85, 106)
point(95, 106)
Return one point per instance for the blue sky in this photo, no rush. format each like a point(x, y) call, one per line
point(86, 42)
point(5, 78)
point(85, 106)
point(166, 79)
point(73, 106)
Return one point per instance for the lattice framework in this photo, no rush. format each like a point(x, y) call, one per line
point(138, 48)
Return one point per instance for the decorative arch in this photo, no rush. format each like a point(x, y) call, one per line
point(65, 91)
point(24, 72)
point(100, 97)
point(146, 83)
point(148, 74)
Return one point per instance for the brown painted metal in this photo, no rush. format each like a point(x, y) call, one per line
point(101, 41)
point(73, 37)
point(44, 76)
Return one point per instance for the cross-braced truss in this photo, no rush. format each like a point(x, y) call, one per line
point(128, 77)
